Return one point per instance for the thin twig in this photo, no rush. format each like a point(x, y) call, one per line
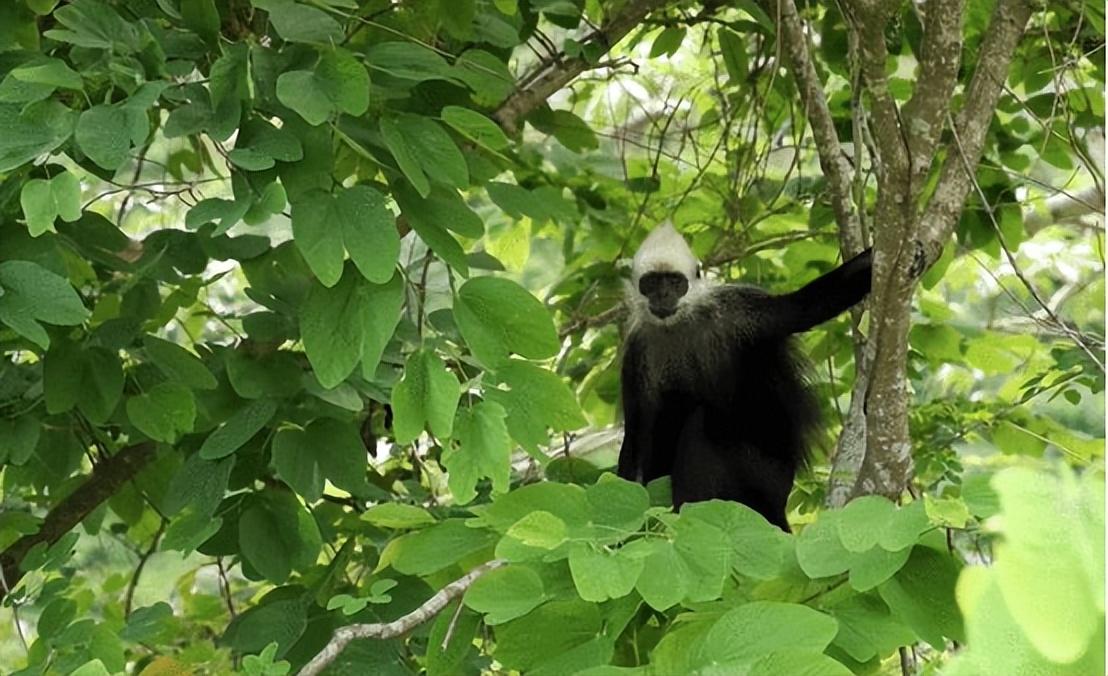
point(385, 630)
point(129, 598)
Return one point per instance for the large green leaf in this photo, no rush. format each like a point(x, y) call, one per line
point(600, 574)
point(31, 131)
point(164, 413)
point(45, 200)
point(506, 593)
point(339, 83)
point(538, 400)
point(432, 549)
point(349, 323)
point(326, 449)
point(296, 22)
point(104, 134)
point(355, 220)
point(484, 450)
point(497, 317)
point(238, 429)
point(32, 294)
point(277, 535)
point(179, 364)
point(767, 627)
point(426, 396)
point(424, 151)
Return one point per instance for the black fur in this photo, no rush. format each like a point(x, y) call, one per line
point(715, 396)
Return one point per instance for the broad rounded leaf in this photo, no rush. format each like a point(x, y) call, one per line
point(484, 450)
point(164, 413)
point(427, 396)
point(238, 429)
point(505, 593)
point(497, 317)
point(397, 515)
point(104, 134)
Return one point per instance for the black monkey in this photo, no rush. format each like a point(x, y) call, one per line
point(713, 389)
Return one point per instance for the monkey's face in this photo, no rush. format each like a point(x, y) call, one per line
point(664, 275)
point(663, 291)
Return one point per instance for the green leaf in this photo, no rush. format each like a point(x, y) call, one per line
point(43, 201)
point(867, 629)
point(443, 244)
point(1051, 525)
point(335, 344)
point(484, 450)
point(341, 454)
point(408, 61)
point(299, 90)
point(664, 579)
point(668, 41)
point(733, 48)
point(870, 568)
point(164, 413)
point(103, 133)
point(539, 529)
point(921, 595)
point(427, 395)
point(178, 364)
point(539, 399)
point(238, 429)
point(497, 317)
point(32, 294)
point(432, 549)
point(26, 132)
point(397, 515)
point(443, 208)
point(505, 593)
point(18, 439)
point(422, 147)
point(760, 550)
point(337, 84)
point(294, 459)
point(616, 505)
point(476, 127)
point(355, 219)
point(862, 522)
point(199, 485)
point(404, 154)
point(600, 574)
point(48, 71)
point(369, 232)
point(277, 535)
point(767, 627)
point(276, 374)
point(101, 384)
point(486, 75)
point(819, 550)
point(295, 22)
point(202, 18)
point(95, 25)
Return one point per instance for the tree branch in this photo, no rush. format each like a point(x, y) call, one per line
point(384, 630)
point(557, 71)
point(940, 56)
point(972, 123)
point(106, 479)
point(835, 166)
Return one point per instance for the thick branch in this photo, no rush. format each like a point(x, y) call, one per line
point(972, 123)
point(940, 56)
point(384, 630)
point(557, 71)
point(103, 483)
point(835, 166)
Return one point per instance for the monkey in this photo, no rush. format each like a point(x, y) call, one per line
point(713, 389)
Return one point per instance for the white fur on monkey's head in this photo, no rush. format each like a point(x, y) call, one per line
point(664, 250)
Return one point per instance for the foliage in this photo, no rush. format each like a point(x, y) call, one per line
point(272, 272)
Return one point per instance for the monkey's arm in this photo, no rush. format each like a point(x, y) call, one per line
point(816, 302)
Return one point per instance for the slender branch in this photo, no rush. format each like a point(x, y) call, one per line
point(103, 483)
point(558, 70)
point(384, 630)
point(129, 598)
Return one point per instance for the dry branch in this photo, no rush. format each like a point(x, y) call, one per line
point(385, 630)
